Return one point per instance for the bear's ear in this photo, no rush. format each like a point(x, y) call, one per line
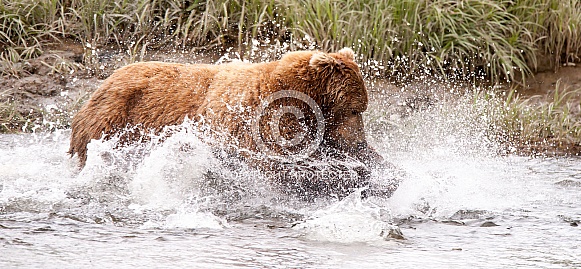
point(347, 53)
point(322, 60)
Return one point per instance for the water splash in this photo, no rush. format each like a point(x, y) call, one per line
point(440, 135)
point(352, 219)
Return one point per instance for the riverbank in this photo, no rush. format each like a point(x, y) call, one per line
point(497, 40)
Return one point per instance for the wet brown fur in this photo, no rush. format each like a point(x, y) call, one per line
point(153, 95)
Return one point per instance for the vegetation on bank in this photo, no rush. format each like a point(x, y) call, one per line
point(543, 124)
point(494, 40)
point(500, 39)
point(9, 116)
point(547, 124)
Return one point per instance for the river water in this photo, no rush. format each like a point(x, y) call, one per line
point(459, 205)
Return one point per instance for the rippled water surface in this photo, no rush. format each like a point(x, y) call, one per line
point(460, 205)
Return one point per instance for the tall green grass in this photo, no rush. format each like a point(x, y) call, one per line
point(498, 39)
point(24, 27)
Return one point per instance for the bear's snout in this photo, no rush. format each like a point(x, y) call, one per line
point(368, 155)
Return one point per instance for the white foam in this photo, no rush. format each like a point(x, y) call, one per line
point(165, 177)
point(187, 218)
point(35, 170)
point(347, 221)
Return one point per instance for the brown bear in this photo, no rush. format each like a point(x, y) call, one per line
point(316, 88)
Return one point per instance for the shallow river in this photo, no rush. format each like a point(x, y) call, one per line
point(460, 205)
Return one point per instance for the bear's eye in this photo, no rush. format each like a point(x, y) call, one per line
point(354, 112)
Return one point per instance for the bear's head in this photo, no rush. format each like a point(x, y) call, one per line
point(335, 82)
point(345, 101)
